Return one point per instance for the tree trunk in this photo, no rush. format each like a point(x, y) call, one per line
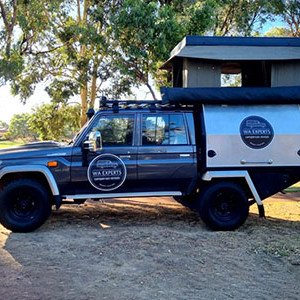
point(78, 11)
point(84, 88)
point(84, 105)
point(151, 91)
point(9, 26)
point(93, 87)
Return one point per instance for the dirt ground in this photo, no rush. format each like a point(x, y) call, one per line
point(153, 248)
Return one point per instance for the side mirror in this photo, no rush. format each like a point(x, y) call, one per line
point(94, 142)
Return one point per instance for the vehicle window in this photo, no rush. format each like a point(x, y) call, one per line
point(155, 130)
point(163, 130)
point(177, 130)
point(115, 130)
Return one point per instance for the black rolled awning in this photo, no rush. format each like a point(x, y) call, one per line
point(231, 95)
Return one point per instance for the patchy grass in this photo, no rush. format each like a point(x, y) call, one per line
point(281, 250)
point(276, 241)
point(6, 144)
point(293, 188)
point(277, 235)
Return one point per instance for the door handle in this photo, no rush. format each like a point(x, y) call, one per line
point(125, 156)
point(268, 162)
point(184, 155)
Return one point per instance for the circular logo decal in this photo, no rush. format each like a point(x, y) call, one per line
point(256, 132)
point(107, 172)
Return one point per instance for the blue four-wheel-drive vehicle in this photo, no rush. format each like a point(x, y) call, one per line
point(216, 150)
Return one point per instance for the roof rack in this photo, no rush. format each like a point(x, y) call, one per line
point(128, 104)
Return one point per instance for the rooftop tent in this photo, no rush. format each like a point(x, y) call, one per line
point(237, 48)
point(279, 95)
point(265, 62)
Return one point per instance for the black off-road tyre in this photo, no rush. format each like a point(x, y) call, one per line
point(24, 205)
point(223, 206)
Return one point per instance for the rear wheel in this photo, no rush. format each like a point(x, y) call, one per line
point(223, 206)
point(24, 205)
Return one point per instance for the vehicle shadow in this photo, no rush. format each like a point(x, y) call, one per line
point(126, 212)
point(146, 212)
point(286, 196)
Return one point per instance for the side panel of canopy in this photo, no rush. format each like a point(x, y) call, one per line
point(240, 53)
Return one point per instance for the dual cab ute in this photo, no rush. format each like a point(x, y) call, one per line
point(216, 150)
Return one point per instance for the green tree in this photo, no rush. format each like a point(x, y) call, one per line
point(146, 31)
point(231, 80)
point(19, 128)
point(90, 47)
point(55, 122)
point(3, 124)
point(289, 12)
point(278, 32)
point(66, 43)
point(11, 64)
point(238, 17)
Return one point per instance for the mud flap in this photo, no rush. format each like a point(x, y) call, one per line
point(261, 210)
point(58, 201)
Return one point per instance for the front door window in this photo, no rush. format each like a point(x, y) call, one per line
point(115, 130)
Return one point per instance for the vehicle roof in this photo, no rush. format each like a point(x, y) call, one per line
point(239, 41)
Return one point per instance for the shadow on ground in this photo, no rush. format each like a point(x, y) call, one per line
point(149, 248)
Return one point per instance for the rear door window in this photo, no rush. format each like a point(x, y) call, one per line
point(163, 129)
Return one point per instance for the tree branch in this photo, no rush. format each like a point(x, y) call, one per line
point(99, 86)
point(228, 19)
point(250, 25)
point(46, 51)
point(4, 17)
point(78, 11)
point(9, 26)
point(85, 8)
point(151, 91)
point(14, 16)
point(50, 20)
point(93, 86)
point(56, 73)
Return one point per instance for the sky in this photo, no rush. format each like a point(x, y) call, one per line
point(10, 105)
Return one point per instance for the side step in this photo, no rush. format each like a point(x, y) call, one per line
point(121, 195)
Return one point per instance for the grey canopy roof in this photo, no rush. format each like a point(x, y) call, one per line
point(236, 48)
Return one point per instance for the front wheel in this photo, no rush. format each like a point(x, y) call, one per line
point(24, 205)
point(223, 206)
